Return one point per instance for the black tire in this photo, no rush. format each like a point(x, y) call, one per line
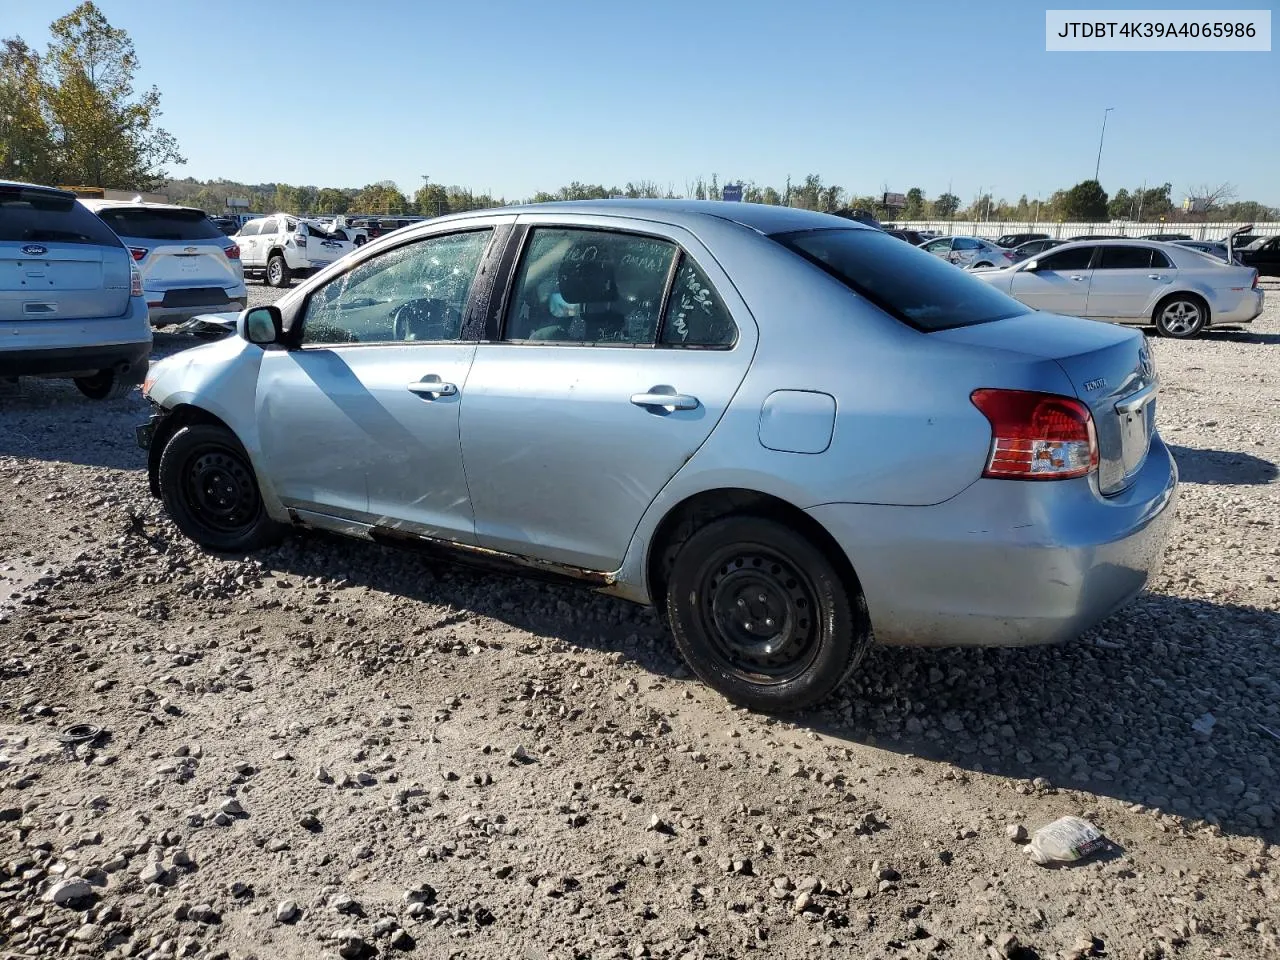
point(722, 626)
point(1180, 316)
point(278, 272)
point(984, 263)
point(208, 487)
point(108, 384)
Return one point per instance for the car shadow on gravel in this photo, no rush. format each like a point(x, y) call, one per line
point(1171, 703)
point(1222, 467)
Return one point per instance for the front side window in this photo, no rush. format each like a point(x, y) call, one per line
point(939, 246)
point(1124, 258)
point(417, 292)
point(924, 291)
point(1077, 259)
point(589, 286)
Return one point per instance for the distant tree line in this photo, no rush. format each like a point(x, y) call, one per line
point(1085, 202)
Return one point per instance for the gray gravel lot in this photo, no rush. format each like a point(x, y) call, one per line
point(335, 749)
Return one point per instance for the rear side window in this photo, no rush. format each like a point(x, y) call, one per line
point(924, 291)
point(696, 316)
point(251, 228)
point(1160, 262)
point(38, 216)
point(152, 224)
point(1124, 258)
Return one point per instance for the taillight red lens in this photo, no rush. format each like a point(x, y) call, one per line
point(232, 252)
point(135, 282)
point(1254, 285)
point(138, 252)
point(1037, 436)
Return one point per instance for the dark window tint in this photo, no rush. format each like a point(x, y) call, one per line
point(589, 286)
point(696, 316)
point(1160, 262)
point(152, 224)
point(39, 216)
point(925, 291)
point(966, 243)
point(1077, 259)
point(1124, 258)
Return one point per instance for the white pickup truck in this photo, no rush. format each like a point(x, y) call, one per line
point(281, 247)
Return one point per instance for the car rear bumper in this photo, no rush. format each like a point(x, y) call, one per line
point(162, 314)
point(1244, 310)
point(128, 358)
point(1007, 563)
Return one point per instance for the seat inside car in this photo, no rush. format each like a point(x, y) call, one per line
point(588, 280)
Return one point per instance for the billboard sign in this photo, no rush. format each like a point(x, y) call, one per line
point(894, 200)
point(732, 191)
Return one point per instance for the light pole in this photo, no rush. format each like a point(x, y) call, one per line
point(1098, 166)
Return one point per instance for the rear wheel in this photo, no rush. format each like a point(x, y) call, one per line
point(984, 263)
point(209, 489)
point(278, 272)
point(106, 385)
point(762, 615)
point(1181, 316)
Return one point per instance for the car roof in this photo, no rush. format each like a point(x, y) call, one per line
point(96, 205)
point(761, 217)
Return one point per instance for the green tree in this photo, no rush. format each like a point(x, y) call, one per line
point(1085, 202)
point(914, 210)
point(26, 143)
point(1154, 202)
point(288, 199)
point(380, 198)
point(1120, 206)
point(104, 134)
point(431, 200)
point(945, 206)
point(331, 200)
point(771, 196)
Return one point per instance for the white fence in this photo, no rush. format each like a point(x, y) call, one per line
point(1064, 231)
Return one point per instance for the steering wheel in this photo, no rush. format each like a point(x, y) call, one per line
point(413, 319)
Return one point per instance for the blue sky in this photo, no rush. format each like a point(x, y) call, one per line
point(513, 97)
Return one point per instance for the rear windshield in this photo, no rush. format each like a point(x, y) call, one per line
point(145, 224)
point(922, 290)
point(37, 216)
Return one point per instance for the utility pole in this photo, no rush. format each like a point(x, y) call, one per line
point(1098, 166)
point(788, 190)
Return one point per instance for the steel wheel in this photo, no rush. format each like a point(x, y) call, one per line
point(221, 491)
point(1180, 318)
point(758, 611)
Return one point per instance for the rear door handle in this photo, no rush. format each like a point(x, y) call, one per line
point(1077, 277)
point(1154, 276)
point(672, 401)
point(432, 388)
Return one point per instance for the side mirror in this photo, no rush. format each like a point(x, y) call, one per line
point(1031, 266)
point(262, 325)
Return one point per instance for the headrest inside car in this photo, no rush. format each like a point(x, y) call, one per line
point(587, 281)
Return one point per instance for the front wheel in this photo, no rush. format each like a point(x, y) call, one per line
point(278, 272)
point(209, 489)
point(763, 616)
point(1181, 317)
point(983, 264)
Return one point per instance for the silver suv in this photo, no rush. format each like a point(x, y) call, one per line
point(188, 265)
point(71, 301)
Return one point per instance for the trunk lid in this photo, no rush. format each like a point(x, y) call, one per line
point(169, 266)
point(53, 281)
point(1110, 368)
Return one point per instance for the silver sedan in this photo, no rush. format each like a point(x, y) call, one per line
point(1179, 290)
point(790, 432)
point(973, 253)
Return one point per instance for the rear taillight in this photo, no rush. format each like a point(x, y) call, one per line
point(135, 282)
point(1037, 436)
point(232, 252)
point(1254, 285)
point(138, 252)
point(1007, 255)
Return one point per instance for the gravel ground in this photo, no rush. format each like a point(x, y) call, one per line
point(333, 749)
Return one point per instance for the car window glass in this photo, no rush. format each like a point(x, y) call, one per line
point(1124, 258)
point(1160, 262)
point(938, 246)
point(967, 243)
point(158, 224)
point(251, 228)
point(924, 291)
point(589, 286)
point(268, 225)
point(696, 316)
point(41, 216)
point(415, 292)
point(1076, 259)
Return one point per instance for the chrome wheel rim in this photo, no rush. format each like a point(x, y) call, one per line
point(274, 272)
point(1181, 318)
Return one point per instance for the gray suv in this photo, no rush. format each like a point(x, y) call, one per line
point(71, 302)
